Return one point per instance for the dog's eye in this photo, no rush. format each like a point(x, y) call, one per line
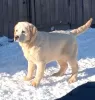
point(16, 30)
point(23, 31)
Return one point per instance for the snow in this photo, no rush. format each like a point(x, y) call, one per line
point(13, 66)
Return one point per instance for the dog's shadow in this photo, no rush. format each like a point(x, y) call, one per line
point(88, 73)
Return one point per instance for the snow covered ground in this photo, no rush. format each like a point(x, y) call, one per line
point(13, 67)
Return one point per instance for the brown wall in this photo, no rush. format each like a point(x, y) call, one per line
point(44, 13)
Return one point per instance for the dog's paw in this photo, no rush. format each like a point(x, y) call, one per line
point(72, 80)
point(34, 83)
point(26, 78)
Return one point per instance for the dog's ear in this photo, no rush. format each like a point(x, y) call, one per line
point(32, 29)
point(15, 29)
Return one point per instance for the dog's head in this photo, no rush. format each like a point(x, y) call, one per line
point(24, 32)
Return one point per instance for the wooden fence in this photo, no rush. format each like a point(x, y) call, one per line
point(44, 13)
point(11, 11)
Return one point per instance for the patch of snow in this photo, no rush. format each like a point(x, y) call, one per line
point(3, 41)
point(52, 28)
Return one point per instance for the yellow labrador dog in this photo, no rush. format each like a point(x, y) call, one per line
point(40, 48)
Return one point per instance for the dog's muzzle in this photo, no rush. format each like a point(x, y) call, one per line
point(16, 37)
point(20, 38)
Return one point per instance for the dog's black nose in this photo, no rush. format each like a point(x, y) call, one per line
point(16, 37)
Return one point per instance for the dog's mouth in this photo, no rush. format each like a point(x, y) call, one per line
point(16, 38)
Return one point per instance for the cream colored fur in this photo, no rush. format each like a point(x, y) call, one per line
point(39, 48)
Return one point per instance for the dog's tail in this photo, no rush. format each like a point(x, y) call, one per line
point(82, 28)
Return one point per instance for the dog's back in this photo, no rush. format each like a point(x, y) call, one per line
point(55, 45)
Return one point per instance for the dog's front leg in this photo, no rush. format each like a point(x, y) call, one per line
point(39, 74)
point(31, 68)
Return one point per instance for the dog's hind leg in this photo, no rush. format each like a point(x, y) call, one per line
point(74, 65)
point(63, 68)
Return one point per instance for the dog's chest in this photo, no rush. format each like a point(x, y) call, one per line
point(25, 52)
point(33, 54)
